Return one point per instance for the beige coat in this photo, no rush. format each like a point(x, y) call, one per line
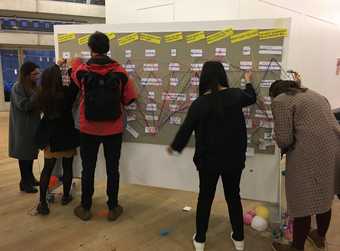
point(310, 178)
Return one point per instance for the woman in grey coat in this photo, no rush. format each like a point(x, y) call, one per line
point(308, 133)
point(23, 121)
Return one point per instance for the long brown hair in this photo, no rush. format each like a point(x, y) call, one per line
point(288, 87)
point(25, 75)
point(51, 94)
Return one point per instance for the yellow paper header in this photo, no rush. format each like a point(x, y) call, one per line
point(111, 35)
point(246, 35)
point(128, 39)
point(83, 40)
point(66, 37)
point(195, 37)
point(150, 38)
point(218, 36)
point(174, 37)
point(274, 33)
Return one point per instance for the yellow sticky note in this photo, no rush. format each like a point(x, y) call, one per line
point(150, 38)
point(83, 40)
point(195, 37)
point(218, 36)
point(246, 35)
point(274, 33)
point(174, 37)
point(128, 39)
point(66, 37)
point(111, 35)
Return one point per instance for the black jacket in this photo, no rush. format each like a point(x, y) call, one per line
point(58, 131)
point(220, 128)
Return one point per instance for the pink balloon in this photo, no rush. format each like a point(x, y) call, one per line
point(248, 218)
point(252, 212)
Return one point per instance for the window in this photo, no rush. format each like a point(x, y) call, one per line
point(22, 24)
point(43, 58)
point(10, 70)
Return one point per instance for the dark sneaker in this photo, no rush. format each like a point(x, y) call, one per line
point(115, 213)
point(284, 247)
point(66, 200)
point(82, 213)
point(317, 241)
point(43, 209)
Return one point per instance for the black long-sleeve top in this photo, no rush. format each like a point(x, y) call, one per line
point(220, 128)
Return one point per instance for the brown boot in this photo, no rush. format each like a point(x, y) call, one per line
point(317, 241)
point(82, 213)
point(115, 213)
point(284, 247)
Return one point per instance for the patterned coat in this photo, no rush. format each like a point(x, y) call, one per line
point(305, 120)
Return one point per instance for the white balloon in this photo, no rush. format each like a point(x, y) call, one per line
point(259, 224)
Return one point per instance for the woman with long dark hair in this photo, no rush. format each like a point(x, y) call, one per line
point(217, 119)
point(23, 121)
point(56, 134)
point(307, 132)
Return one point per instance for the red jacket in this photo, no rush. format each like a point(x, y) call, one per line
point(101, 65)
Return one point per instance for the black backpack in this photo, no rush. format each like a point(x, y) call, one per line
point(103, 95)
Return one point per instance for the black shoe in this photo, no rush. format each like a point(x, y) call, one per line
point(43, 209)
point(66, 200)
point(27, 189)
point(115, 213)
point(82, 213)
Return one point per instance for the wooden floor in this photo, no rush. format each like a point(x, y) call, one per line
point(148, 213)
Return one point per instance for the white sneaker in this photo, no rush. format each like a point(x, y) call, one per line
point(239, 245)
point(198, 245)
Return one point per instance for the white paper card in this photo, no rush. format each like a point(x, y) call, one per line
point(128, 53)
point(174, 120)
point(150, 129)
point(66, 55)
point(151, 107)
point(246, 50)
point(221, 52)
point(174, 81)
point(132, 131)
point(151, 81)
point(150, 53)
point(174, 67)
point(173, 52)
point(196, 52)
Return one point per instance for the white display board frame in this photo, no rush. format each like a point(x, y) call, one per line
point(148, 164)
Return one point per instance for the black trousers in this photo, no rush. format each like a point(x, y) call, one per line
point(231, 184)
point(46, 173)
point(26, 172)
point(89, 146)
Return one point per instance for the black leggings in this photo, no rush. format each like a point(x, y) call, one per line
point(47, 172)
point(231, 184)
point(301, 228)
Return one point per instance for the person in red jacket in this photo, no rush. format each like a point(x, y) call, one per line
point(98, 123)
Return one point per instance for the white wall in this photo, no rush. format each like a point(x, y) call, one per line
point(314, 42)
point(53, 7)
point(26, 38)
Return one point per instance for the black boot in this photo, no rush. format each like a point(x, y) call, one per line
point(43, 208)
point(25, 184)
point(27, 188)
